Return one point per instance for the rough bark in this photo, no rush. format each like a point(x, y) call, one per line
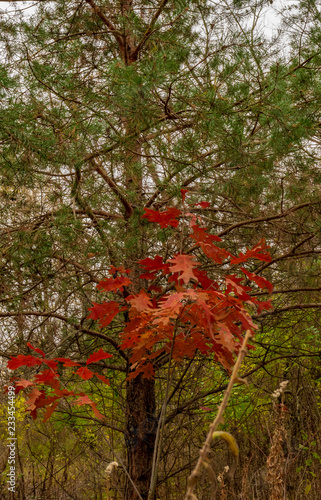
point(140, 434)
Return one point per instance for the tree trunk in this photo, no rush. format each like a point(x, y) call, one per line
point(140, 434)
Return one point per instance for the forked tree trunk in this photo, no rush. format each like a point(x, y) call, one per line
point(140, 434)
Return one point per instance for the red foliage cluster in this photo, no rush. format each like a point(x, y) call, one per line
point(179, 310)
point(38, 398)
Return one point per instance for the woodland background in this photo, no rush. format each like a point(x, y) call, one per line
point(108, 107)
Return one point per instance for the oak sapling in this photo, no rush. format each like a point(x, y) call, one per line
point(179, 310)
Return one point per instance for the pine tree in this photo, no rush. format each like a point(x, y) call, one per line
point(110, 107)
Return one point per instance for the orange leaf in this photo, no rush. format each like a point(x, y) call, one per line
point(50, 411)
point(184, 264)
point(85, 400)
point(22, 384)
point(140, 302)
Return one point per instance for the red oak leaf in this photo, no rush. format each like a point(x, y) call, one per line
point(112, 284)
point(39, 351)
point(45, 376)
point(170, 308)
point(102, 378)
point(22, 384)
point(203, 204)
point(22, 360)
point(85, 400)
point(201, 235)
point(67, 362)
point(259, 252)
point(263, 305)
point(165, 218)
point(50, 411)
point(120, 269)
point(97, 356)
point(215, 253)
point(54, 383)
point(259, 280)
point(184, 264)
point(97, 412)
point(183, 193)
point(140, 302)
point(204, 280)
point(233, 283)
point(51, 363)
point(152, 266)
point(34, 396)
point(105, 312)
point(172, 300)
point(146, 369)
point(205, 241)
point(84, 373)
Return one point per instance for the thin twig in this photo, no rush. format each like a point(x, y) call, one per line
point(193, 478)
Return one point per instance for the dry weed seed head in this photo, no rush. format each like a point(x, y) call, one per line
point(109, 470)
point(110, 467)
point(280, 390)
point(276, 459)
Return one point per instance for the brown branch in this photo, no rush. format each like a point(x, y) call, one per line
point(134, 135)
point(266, 219)
point(102, 364)
point(184, 184)
point(290, 72)
point(294, 307)
point(22, 293)
point(149, 30)
point(76, 264)
point(37, 222)
point(76, 326)
point(289, 255)
point(289, 290)
point(117, 35)
point(63, 98)
point(101, 171)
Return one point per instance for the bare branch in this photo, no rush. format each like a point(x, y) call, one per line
point(101, 171)
point(266, 219)
point(149, 30)
point(294, 307)
point(76, 326)
point(117, 35)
